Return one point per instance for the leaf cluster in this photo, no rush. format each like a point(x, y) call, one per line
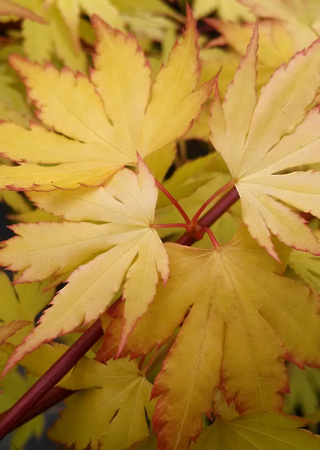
point(160, 162)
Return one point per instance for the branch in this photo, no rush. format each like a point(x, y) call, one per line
point(57, 371)
point(51, 398)
point(212, 215)
point(42, 395)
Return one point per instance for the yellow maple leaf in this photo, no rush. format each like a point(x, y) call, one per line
point(143, 7)
point(71, 12)
point(226, 9)
point(23, 302)
point(304, 388)
point(301, 17)
point(54, 39)
point(13, 387)
point(239, 322)
point(7, 7)
point(101, 123)
point(275, 44)
point(11, 328)
point(113, 413)
point(125, 242)
point(307, 266)
point(272, 135)
point(58, 35)
point(260, 430)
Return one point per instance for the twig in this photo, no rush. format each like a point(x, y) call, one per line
point(56, 372)
point(212, 215)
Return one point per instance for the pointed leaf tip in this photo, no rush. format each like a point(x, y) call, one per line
point(190, 19)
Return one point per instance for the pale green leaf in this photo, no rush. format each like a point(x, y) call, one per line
point(307, 267)
point(304, 388)
point(22, 302)
point(105, 10)
point(301, 18)
point(159, 162)
point(10, 329)
point(42, 42)
point(10, 8)
point(37, 41)
point(113, 414)
point(257, 431)
point(140, 7)
point(13, 387)
point(226, 9)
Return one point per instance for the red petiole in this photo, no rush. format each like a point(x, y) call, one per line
point(215, 195)
point(171, 225)
point(173, 201)
point(192, 226)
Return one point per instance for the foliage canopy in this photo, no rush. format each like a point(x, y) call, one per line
point(103, 116)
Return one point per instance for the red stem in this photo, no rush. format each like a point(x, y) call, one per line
point(212, 215)
point(51, 398)
point(56, 372)
point(170, 225)
point(173, 201)
point(216, 194)
point(41, 394)
point(219, 208)
point(212, 238)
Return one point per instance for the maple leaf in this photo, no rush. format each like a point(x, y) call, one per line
point(240, 322)
point(88, 149)
point(275, 43)
point(60, 35)
point(38, 362)
point(11, 328)
point(304, 388)
point(127, 246)
point(257, 430)
point(16, 202)
point(226, 9)
point(307, 266)
point(142, 7)
point(151, 20)
point(13, 105)
point(272, 135)
point(149, 443)
point(8, 7)
point(51, 41)
point(214, 60)
point(23, 302)
point(14, 386)
point(113, 414)
point(159, 162)
point(71, 12)
point(301, 17)
point(276, 46)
